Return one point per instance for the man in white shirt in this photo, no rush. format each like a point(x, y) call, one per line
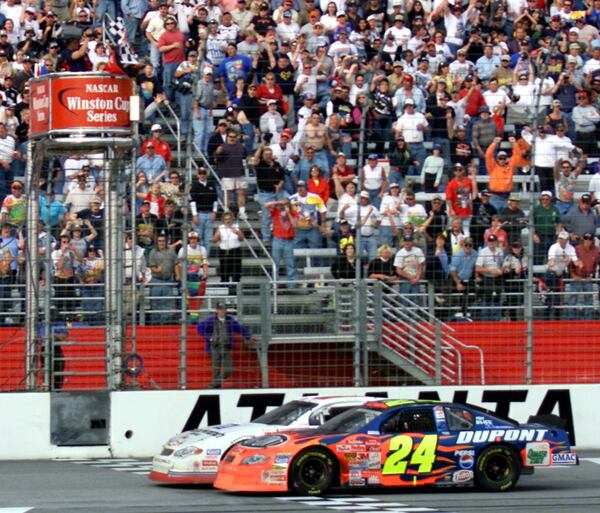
point(544, 154)
point(561, 256)
point(401, 33)
point(586, 118)
point(369, 220)
point(461, 67)
point(488, 267)
point(410, 265)
point(390, 215)
point(412, 126)
point(287, 29)
point(342, 48)
point(494, 96)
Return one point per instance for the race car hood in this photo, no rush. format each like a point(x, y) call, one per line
point(220, 432)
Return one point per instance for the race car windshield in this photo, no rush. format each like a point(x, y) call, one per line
point(349, 421)
point(285, 414)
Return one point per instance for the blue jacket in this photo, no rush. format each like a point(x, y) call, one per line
point(207, 327)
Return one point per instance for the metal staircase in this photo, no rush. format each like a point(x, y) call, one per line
point(410, 337)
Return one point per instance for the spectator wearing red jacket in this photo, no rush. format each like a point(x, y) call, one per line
point(318, 184)
point(460, 192)
point(161, 147)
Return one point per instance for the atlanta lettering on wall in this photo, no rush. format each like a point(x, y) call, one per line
point(208, 406)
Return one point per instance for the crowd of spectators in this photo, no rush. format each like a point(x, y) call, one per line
point(449, 100)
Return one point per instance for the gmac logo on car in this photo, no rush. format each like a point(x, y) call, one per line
point(568, 458)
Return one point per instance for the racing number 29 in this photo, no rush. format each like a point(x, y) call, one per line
point(401, 447)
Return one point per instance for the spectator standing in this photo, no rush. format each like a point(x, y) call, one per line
point(204, 206)
point(460, 193)
point(64, 261)
point(410, 266)
point(229, 237)
point(411, 125)
point(9, 252)
point(374, 180)
point(501, 172)
point(382, 267)
point(269, 181)
point(390, 215)
point(546, 220)
point(218, 331)
point(233, 67)
point(561, 257)
point(489, 273)
point(151, 164)
point(204, 99)
point(230, 165)
point(581, 219)
point(182, 81)
point(369, 221)
point(462, 273)
point(565, 178)
point(161, 148)
point(483, 211)
point(583, 288)
point(344, 266)
point(154, 29)
point(311, 213)
point(284, 225)
point(14, 206)
point(485, 132)
point(133, 12)
point(514, 267)
point(91, 277)
point(513, 218)
point(194, 262)
point(7, 155)
point(586, 119)
point(162, 261)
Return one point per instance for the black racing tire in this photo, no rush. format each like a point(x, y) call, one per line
point(497, 469)
point(313, 472)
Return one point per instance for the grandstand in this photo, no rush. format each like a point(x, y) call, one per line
point(466, 124)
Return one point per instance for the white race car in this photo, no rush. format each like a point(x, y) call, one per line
point(192, 457)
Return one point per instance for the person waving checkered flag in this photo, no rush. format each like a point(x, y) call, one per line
point(118, 34)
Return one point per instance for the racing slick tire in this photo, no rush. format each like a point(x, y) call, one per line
point(313, 472)
point(497, 469)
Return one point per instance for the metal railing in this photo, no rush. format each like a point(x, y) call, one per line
point(420, 340)
point(271, 276)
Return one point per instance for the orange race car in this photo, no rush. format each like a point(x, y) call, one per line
point(397, 443)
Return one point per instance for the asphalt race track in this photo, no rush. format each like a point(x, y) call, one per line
point(118, 486)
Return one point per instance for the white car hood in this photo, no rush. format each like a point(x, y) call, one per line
point(219, 434)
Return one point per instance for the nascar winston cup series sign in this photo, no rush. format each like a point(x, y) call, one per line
point(72, 102)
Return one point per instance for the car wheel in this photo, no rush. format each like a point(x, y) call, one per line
point(313, 472)
point(497, 469)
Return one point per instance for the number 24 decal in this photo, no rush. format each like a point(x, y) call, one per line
point(401, 447)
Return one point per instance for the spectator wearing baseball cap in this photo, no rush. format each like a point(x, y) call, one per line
point(582, 290)
point(412, 125)
point(546, 218)
point(410, 267)
point(561, 257)
point(161, 147)
point(501, 171)
point(489, 269)
point(484, 132)
point(151, 164)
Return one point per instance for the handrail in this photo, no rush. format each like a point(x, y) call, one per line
point(174, 133)
point(214, 174)
point(449, 329)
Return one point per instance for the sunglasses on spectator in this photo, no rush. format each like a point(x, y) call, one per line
point(17, 187)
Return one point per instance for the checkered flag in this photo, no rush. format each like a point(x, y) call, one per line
point(116, 29)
